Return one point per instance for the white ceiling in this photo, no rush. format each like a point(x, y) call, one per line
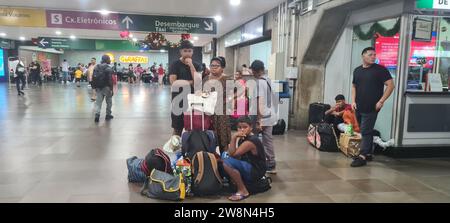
point(233, 16)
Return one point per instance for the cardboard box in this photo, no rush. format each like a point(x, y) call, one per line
point(350, 145)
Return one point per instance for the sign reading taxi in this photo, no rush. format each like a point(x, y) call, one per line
point(433, 4)
point(22, 17)
point(133, 59)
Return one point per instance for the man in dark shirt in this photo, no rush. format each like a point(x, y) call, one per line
point(181, 73)
point(368, 96)
point(35, 72)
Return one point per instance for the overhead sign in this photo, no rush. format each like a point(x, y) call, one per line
point(133, 59)
point(22, 17)
point(82, 20)
point(168, 24)
point(58, 43)
point(433, 4)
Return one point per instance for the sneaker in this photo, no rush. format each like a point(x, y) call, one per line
point(271, 170)
point(109, 117)
point(97, 118)
point(358, 162)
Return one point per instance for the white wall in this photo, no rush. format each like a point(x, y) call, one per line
point(261, 51)
point(84, 57)
point(337, 71)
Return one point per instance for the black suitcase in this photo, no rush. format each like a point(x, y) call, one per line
point(317, 112)
point(279, 128)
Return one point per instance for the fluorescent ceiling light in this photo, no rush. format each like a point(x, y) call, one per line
point(72, 37)
point(196, 38)
point(58, 33)
point(235, 2)
point(131, 35)
point(3, 34)
point(104, 12)
point(218, 18)
point(22, 38)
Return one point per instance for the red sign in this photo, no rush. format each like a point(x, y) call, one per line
point(387, 51)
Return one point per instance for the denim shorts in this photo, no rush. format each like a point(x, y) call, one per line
point(244, 168)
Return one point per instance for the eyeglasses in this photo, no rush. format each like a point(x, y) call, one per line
point(214, 66)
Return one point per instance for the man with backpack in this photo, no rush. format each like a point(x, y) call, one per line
point(103, 85)
point(266, 115)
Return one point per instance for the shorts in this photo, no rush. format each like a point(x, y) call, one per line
point(244, 168)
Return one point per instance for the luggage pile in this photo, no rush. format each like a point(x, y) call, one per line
point(321, 135)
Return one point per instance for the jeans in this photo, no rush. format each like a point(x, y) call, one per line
point(367, 123)
point(267, 141)
point(65, 76)
point(20, 78)
point(103, 93)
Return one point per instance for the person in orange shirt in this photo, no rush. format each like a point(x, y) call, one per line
point(349, 118)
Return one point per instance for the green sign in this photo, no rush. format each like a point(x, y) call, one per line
point(167, 24)
point(433, 4)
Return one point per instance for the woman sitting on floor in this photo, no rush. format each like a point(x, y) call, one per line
point(247, 161)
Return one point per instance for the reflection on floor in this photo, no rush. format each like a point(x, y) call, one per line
point(51, 151)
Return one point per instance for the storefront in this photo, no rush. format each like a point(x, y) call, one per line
point(412, 40)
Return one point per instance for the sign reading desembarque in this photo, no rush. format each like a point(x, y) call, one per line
point(433, 4)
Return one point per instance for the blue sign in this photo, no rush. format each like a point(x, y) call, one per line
point(2, 64)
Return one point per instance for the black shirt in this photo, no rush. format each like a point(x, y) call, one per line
point(258, 161)
point(369, 83)
point(37, 70)
point(182, 70)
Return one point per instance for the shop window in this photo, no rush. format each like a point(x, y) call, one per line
point(429, 55)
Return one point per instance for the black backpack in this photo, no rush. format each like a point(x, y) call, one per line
point(206, 179)
point(260, 186)
point(317, 112)
point(323, 137)
point(157, 159)
point(197, 141)
point(279, 128)
point(99, 78)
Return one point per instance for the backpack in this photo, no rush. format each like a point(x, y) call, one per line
point(197, 141)
point(317, 112)
point(157, 159)
point(260, 186)
point(323, 137)
point(205, 174)
point(99, 78)
point(279, 128)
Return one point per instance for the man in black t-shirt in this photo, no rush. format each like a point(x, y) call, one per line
point(368, 96)
point(181, 73)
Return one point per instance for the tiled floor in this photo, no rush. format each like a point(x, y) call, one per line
point(52, 151)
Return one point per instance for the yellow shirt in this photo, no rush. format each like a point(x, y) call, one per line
point(78, 73)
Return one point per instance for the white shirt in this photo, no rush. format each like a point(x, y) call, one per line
point(269, 114)
point(65, 66)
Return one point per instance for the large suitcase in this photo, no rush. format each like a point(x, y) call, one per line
point(317, 112)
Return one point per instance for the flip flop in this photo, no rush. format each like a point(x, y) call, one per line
point(240, 196)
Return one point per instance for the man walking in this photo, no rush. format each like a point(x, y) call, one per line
point(368, 97)
point(103, 85)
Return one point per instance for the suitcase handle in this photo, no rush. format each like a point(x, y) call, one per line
point(192, 114)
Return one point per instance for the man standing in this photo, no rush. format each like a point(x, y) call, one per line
point(103, 84)
point(267, 117)
point(183, 69)
point(90, 74)
point(368, 99)
point(65, 70)
point(35, 71)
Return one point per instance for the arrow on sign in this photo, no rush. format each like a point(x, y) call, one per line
point(127, 20)
point(43, 43)
point(209, 26)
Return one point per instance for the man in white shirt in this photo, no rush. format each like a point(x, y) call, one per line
point(65, 70)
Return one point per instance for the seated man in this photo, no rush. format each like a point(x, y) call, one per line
point(335, 114)
point(247, 161)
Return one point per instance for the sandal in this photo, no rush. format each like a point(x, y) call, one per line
point(239, 196)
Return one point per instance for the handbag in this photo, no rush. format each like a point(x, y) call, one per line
point(161, 185)
point(206, 102)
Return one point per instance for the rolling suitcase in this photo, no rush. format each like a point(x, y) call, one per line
point(317, 112)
